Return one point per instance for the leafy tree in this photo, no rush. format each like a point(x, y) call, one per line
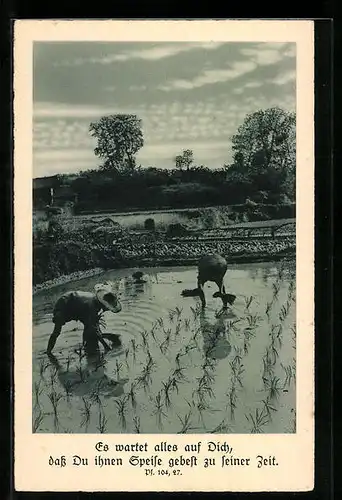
point(266, 138)
point(264, 149)
point(119, 138)
point(185, 160)
point(179, 161)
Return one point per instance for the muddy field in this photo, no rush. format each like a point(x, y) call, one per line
point(174, 368)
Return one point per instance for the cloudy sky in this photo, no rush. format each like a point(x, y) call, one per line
point(188, 95)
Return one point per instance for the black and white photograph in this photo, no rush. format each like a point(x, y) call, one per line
point(164, 237)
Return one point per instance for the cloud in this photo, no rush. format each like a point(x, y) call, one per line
point(263, 57)
point(54, 110)
point(283, 78)
point(155, 53)
point(212, 76)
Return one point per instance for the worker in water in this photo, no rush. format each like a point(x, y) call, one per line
point(85, 307)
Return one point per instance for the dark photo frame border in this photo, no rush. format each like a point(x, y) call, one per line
point(324, 291)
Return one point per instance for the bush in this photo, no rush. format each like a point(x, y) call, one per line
point(149, 224)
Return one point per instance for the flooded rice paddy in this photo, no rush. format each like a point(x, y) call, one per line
point(173, 367)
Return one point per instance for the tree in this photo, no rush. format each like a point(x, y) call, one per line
point(264, 149)
point(119, 138)
point(266, 138)
point(186, 159)
point(179, 161)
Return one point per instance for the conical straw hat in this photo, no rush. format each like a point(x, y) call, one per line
point(106, 296)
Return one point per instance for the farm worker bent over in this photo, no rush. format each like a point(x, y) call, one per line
point(84, 307)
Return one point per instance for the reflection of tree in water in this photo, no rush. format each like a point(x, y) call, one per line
point(215, 334)
point(88, 377)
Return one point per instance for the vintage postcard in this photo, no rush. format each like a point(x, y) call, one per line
point(164, 255)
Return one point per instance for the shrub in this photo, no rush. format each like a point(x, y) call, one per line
point(149, 224)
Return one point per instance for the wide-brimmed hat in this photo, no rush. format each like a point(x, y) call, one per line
point(107, 297)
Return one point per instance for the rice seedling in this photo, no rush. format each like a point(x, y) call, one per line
point(118, 368)
point(102, 425)
point(246, 346)
point(288, 375)
point(81, 373)
point(248, 302)
point(53, 375)
point(172, 315)
point(68, 385)
point(38, 420)
point(268, 309)
point(190, 347)
point(222, 427)
point(37, 392)
point(177, 358)
point(195, 311)
point(276, 288)
point(178, 312)
point(167, 386)
point(285, 308)
point(68, 361)
point(121, 405)
point(136, 422)
point(186, 423)
point(291, 289)
point(178, 374)
point(126, 357)
point(268, 407)
point(95, 396)
point(231, 325)
point(163, 346)
point(150, 362)
point(174, 384)
point(209, 364)
point(294, 368)
point(273, 386)
point(268, 370)
point(208, 377)
point(42, 367)
point(160, 322)
point(252, 320)
point(187, 324)
point(294, 421)
point(131, 396)
point(158, 410)
point(293, 335)
point(238, 356)
point(80, 354)
point(237, 371)
point(200, 405)
point(144, 378)
point(144, 335)
point(232, 400)
point(178, 328)
point(55, 398)
point(258, 421)
point(153, 332)
point(204, 388)
point(134, 348)
point(85, 412)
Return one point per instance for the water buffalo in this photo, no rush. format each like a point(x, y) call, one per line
point(213, 268)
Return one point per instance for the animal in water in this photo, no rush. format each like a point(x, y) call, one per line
point(84, 307)
point(138, 277)
point(213, 268)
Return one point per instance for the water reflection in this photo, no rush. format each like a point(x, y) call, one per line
point(88, 377)
point(215, 334)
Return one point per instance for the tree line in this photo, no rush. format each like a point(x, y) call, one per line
point(262, 169)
